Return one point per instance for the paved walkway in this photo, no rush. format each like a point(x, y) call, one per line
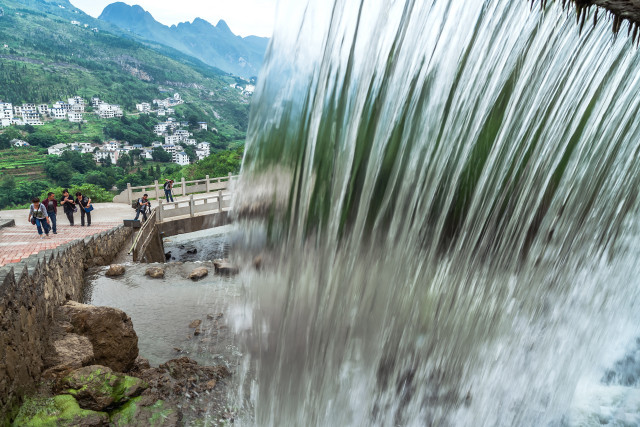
point(21, 241)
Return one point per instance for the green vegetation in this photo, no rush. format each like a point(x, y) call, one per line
point(56, 411)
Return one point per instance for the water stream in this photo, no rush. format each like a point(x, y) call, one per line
point(444, 194)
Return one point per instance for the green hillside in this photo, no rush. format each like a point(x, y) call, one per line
point(47, 58)
point(44, 58)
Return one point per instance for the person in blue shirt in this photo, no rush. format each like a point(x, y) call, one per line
point(38, 212)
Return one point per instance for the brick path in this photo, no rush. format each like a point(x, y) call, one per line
point(22, 241)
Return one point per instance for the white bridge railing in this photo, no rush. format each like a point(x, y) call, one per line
point(182, 188)
point(213, 202)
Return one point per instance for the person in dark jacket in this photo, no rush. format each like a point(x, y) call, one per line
point(168, 187)
point(143, 206)
point(38, 212)
point(51, 204)
point(83, 203)
point(68, 205)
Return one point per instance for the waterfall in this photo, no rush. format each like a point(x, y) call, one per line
point(444, 196)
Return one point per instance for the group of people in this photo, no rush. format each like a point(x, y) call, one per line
point(44, 214)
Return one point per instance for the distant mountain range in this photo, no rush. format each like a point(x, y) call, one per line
point(214, 45)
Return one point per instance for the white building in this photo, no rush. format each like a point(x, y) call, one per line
point(31, 118)
point(43, 109)
point(203, 125)
point(202, 154)
point(204, 146)
point(170, 148)
point(77, 104)
point(74, 117)
point(111, 146)
point(75, 23)
point(146, 153)
point(103, 155)
point(95, 102)
point(19, 143)
point(62, 105)
point(171, 139)
point(144, 107)
point(6, 110)
point(181, 158)
point(191, 142)
point(108, 111)
point(57, 150)
point(58, 113)
point(155, 144)
point(160, 129)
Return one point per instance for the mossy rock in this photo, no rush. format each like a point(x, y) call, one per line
point(98, 388)
point(58, 411)
point(143, 412)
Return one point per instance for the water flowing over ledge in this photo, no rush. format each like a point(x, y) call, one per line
point(448, 192)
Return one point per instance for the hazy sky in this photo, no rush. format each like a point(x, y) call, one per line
point(245, 17)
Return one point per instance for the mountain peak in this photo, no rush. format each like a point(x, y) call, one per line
point(222, 25)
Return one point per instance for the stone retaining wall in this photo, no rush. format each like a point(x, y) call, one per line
point(29, 292)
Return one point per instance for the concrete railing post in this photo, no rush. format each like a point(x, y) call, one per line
point(192, 206)
point(220, 200)
point(129, 193)
point(157, 189)
point(208, 184)
point(184, 187)
point(159, 210)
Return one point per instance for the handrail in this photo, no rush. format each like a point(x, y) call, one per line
point(215, 200)
point(181, 188)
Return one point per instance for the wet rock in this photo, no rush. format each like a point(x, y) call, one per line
point(225, 268)
point(182, 375)
point(198, 273)
point(167, 256)
point(115, 270)
point(197, 332)
point(216, 317)
point(110, 331)
point(61, 410)
point(192, 251)
point(155, 272)
point(257, 262)
point(146, 411)
point(195, 323)
point(98, 388)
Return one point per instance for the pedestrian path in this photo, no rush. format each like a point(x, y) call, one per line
point(21, 241)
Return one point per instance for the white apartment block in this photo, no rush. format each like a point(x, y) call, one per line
point(62, 106)
point(202, 154)
point(6, 111)
point(191, 142)
point(144, 107)
point(58, 113)
point(95, 102)
point(111, 146)
point(75, 117)
point(181, 158)
point(31, 118)
point(160, 129)
point(203, 125)
point(102, 155)
point(76, 100)
point(205, 146)
point(43, 109)
point(170, 148)
point(171, 139)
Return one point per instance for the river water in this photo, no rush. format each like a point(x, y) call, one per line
point(446, 191)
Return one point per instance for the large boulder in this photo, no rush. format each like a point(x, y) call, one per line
point(110, 331)
point(146, 411)
point(198, 273)
point(98, 388)
point(69, 351)
point(115, 270)
point(58, 411)
point(155, 272)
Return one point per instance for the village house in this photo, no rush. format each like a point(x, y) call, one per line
point(191, 141)
point(144, 107)
point(57, 150)
point(31, 118)
point(43, 109)
point(62, 106)
point(203, 125)
point(202, 154)
point(102, 155)
point(108, 111)
point(111, 146)
point(170, 148)
point(74, 117)
point(58, 113)
point(171, 139)
point(6, 110)
point(181, 158)
point(19, 143)
point(160, 129)
point(204, 146)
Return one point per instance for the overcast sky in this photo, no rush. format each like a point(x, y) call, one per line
point(245, 17)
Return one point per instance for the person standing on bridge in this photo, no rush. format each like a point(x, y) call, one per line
point(52, 210)
point(38, 216)
point(85, 208)
point(68, 205)
point(143, 205)
point(168, 187)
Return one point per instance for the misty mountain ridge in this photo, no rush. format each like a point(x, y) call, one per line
point(215, 45)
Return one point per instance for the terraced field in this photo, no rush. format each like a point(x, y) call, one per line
point(22, 163)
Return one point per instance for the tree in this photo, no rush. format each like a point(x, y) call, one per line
point(159, 155)
point(124, 160)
